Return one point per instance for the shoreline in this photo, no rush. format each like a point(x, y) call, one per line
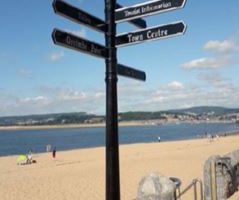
point(62, 126)
point(100, 125)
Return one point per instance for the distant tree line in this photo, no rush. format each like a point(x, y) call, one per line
point(130, 116)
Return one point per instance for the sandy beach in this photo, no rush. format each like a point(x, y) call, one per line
point(96, 125)
point(80, 174)
point(60, 126)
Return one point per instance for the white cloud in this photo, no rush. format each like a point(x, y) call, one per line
point(74, 100)
point(207, 63)
point(63, 93)
point(131, 93)
point(213, 79)
point(217, 83)
point(33, 103)
point(129, 86)
point(64, 101)
point(193, 95)
point(175, 85)
point(224, 56)
point(225, 46)
point(56, 56)
point(72, 95)
point(211, 90)
point(34, 99)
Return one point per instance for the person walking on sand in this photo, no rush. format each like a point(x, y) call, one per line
point(54, 152)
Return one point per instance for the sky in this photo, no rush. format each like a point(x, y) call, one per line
point(199, 68)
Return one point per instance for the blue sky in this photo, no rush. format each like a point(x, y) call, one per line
point(198, 68)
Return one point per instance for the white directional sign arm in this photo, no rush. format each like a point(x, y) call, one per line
point(77, 15)
point(151, 34)
point(147, 8)
point(77, 43)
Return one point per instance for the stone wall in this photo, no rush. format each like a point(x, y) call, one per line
point(226, 175)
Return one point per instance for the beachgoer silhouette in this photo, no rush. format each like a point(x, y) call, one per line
point(54, 152)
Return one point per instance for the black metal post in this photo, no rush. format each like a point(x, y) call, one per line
point(112, 144)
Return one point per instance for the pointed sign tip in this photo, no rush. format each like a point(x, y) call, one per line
point(54, 5)
point(53, 35)
point(184, 3)
point(145, 77)
point(184, 27)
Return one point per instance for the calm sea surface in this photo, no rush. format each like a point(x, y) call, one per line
point(21, 141)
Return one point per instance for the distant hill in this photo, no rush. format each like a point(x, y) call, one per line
point(47, 119)
point(195, 111)
point(201, 112)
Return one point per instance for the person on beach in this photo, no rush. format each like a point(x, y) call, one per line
point(210, 137)
point(159, 139)
point(54, 152)
point(29, 157)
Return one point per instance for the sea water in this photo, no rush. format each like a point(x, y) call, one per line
point(14, 142)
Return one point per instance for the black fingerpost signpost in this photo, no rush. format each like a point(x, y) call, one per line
point(115, 13)
point(112, 143)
